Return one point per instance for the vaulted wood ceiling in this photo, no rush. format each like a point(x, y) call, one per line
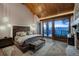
point(48, 9)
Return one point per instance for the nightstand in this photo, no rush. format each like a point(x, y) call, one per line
point(5, 42)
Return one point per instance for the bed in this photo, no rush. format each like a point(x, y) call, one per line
point(22, 39)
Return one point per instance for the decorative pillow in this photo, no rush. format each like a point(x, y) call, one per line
point(21, 33)
point(18, 33)
point(29, 33)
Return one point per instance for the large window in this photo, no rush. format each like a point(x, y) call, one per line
point(47, 28)
point(61, 27)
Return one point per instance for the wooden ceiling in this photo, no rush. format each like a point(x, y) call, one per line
point(48, 9)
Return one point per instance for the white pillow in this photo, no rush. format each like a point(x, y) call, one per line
point(20, 33)
point(23, 33)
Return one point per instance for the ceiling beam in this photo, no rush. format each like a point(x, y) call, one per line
point(61, 14)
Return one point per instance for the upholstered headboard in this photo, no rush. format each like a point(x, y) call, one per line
point(19, 29)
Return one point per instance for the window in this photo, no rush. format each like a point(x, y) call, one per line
point(45, 28)
point(61, 27)
point(49, 28)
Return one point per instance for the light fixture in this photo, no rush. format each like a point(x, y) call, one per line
point(32, 27)
point(2, 27)
point(9, 25)
point(40, 8)
point(5, 19)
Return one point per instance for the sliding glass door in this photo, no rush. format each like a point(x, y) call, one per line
point(61, 27)
point(47, 28)
point(50, 29)
point(57, 29)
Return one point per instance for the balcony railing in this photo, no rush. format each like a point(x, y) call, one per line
point(61, 33)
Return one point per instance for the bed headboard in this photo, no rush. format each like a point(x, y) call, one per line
point(19, 29)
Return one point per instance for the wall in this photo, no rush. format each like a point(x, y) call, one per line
point(17, 14)
point(75, 21)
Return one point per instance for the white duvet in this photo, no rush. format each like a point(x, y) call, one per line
point(20, 39)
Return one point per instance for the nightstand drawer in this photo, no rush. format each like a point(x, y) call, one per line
point(6, 42)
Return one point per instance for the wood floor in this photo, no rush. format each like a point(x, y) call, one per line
point(51, 48)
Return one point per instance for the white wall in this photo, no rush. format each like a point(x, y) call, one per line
point(17, 14)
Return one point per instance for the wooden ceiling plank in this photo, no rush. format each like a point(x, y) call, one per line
point(47, 9)
point(61, 14)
